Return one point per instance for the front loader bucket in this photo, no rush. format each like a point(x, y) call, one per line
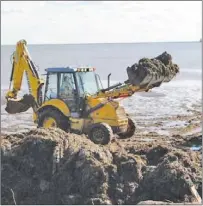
point(18, 106)
point(152, 72)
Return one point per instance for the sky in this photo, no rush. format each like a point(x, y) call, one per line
point(58, 22)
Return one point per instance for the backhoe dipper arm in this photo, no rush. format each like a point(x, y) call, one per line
point(22, 63)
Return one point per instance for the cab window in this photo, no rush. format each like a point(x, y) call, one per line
point(67, 90)
point(51, 92)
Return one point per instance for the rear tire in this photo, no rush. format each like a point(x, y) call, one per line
point(100, 133)
point(130, 130)
point(58, 120)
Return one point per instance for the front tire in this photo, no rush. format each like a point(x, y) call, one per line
point(130, 130)
point(100, 133)
point(53, 118)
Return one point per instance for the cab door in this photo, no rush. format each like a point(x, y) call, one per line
point(51, 90)
point(67, 90)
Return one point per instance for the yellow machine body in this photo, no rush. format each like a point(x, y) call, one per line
point(85, 107)
point(111, 113)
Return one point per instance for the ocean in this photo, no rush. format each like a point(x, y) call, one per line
point(174, 98)
point(107, 58)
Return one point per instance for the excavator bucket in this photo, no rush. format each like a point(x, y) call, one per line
point(151, 73)
point(18, 106)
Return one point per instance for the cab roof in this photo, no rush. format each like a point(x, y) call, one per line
point(60, 69)
point(69, 69)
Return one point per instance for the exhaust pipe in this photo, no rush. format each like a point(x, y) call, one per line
point(109, 80)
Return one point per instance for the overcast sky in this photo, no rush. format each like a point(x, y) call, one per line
point(100, 22)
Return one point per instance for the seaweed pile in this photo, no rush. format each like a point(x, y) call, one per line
point(152, 72)
point(53, 167)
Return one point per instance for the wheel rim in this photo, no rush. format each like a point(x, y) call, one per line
point(49, 122)
point(98, 135)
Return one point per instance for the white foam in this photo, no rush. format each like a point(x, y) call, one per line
point(174, 98)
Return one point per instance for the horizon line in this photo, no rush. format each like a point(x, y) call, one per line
point(108, 43)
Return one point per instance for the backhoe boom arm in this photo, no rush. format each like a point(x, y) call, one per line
point(21, 64)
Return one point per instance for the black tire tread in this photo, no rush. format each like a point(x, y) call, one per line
point(105, 126)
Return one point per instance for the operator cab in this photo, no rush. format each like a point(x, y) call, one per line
point(71, 86)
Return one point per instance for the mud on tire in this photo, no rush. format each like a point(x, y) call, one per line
point(100, 133)
point(130, 130)
point(61, 121)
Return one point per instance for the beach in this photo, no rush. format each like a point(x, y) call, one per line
point(167, 143)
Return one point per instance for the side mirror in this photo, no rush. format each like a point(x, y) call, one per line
point(109, 80)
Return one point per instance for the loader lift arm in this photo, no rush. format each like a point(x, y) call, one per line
point(143, 76)
point(122, 90)
point(22, 63)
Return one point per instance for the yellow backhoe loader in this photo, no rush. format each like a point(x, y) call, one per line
point(74, 99)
